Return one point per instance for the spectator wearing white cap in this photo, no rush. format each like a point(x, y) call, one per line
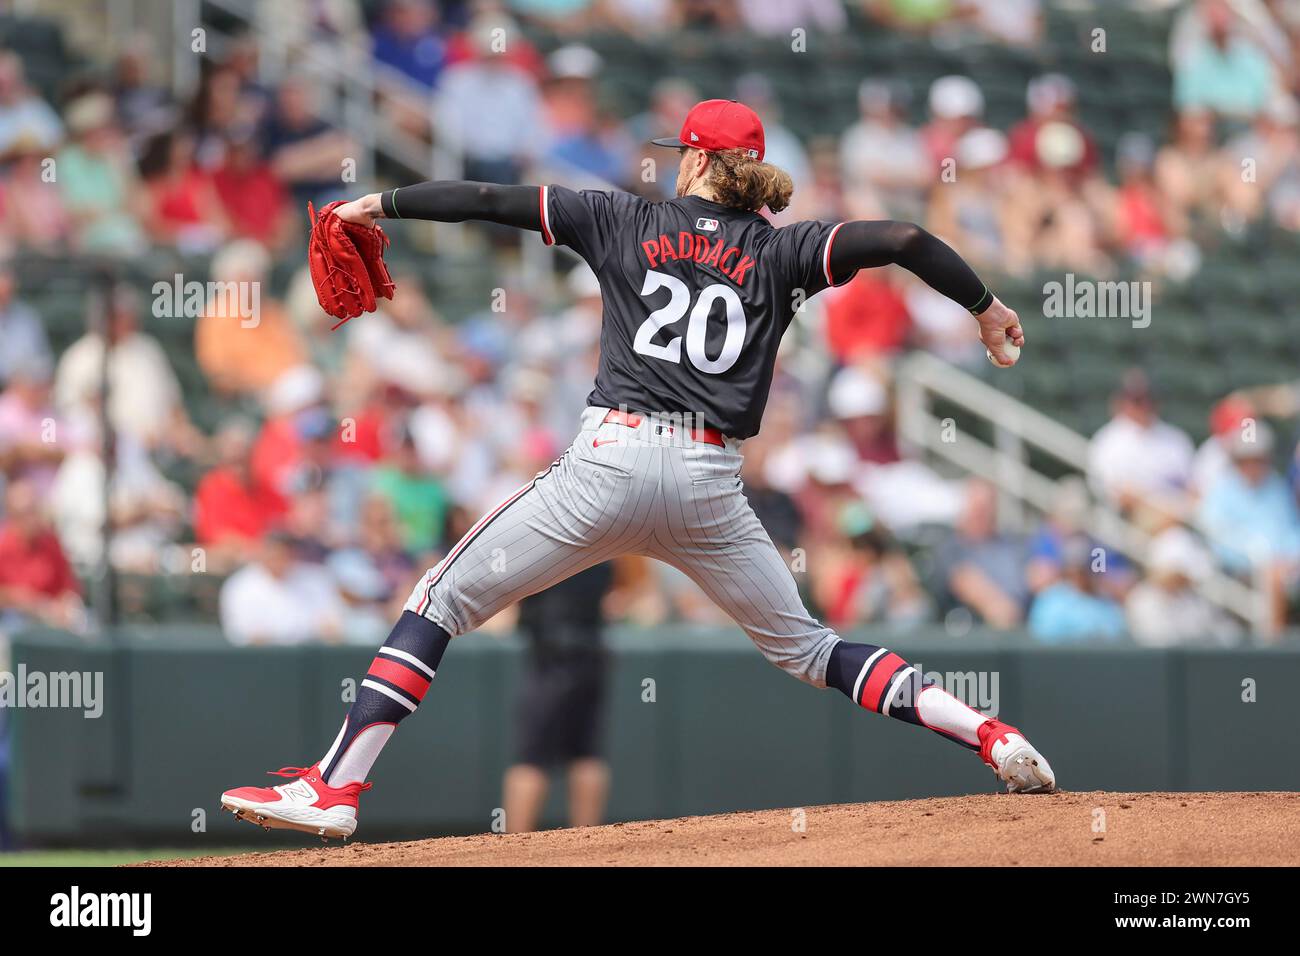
point(1062, 219)
point(583, 138)
point(827, 466)
point(1051, 99)
point(294, 407)
point(956, 108)
point(859, 401)
point(1167, 608)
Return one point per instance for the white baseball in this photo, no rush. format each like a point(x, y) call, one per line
point(1010, 351)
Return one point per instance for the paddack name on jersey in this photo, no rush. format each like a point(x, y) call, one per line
point(728, 260)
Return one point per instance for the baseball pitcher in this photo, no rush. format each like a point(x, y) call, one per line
point(697, 291)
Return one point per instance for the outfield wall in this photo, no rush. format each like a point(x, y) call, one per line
point(185, 716)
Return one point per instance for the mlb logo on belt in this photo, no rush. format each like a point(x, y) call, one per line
point(707, 225)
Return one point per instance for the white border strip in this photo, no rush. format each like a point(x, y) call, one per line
point(826, 255)
point(389, 693)
point(893, 688)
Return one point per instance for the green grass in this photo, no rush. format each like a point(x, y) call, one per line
point(84, 858)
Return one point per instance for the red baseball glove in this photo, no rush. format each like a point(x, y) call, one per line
point(347, 264)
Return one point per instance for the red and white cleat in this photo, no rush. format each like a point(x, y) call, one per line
point(1014, 759)
point(308, 804)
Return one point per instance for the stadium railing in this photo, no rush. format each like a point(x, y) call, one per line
point(1016, 426)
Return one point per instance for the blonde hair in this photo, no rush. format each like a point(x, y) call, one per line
point(741, 181)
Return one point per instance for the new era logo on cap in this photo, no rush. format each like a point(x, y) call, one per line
point(720, 124)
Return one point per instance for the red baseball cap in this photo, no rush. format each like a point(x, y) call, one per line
point(720, 124)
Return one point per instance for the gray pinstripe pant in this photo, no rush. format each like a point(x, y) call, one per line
point(619, 490)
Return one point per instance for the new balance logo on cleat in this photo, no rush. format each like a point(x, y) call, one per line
point(308, 804)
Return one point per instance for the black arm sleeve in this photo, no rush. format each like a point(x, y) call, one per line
point(862, 245)
point(452, 201)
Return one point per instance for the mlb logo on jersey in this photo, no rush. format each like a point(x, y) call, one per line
point(706, 225)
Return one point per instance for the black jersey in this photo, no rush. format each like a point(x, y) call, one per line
point(696, 298)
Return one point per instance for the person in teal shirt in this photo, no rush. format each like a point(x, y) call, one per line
point(1249, 513)
point(98, 180)
point(1072, 609)
point(1225, 73)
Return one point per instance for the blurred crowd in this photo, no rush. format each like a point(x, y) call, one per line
point(341, 465)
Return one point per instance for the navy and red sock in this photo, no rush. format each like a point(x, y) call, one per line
point(397, 681)
point(879, 680)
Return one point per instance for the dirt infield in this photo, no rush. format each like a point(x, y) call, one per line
point(1098, 828)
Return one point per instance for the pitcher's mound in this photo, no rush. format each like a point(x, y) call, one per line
point(1062, 829)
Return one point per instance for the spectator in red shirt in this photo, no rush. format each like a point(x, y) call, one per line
point(253, 198)
point(1142, 212)
point(867, 317)
point(231, 512)
point(1051, 99)
point(184, 210)
point(374, 432)
point(36, 581)
point(873, 582)
point(293, 440)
